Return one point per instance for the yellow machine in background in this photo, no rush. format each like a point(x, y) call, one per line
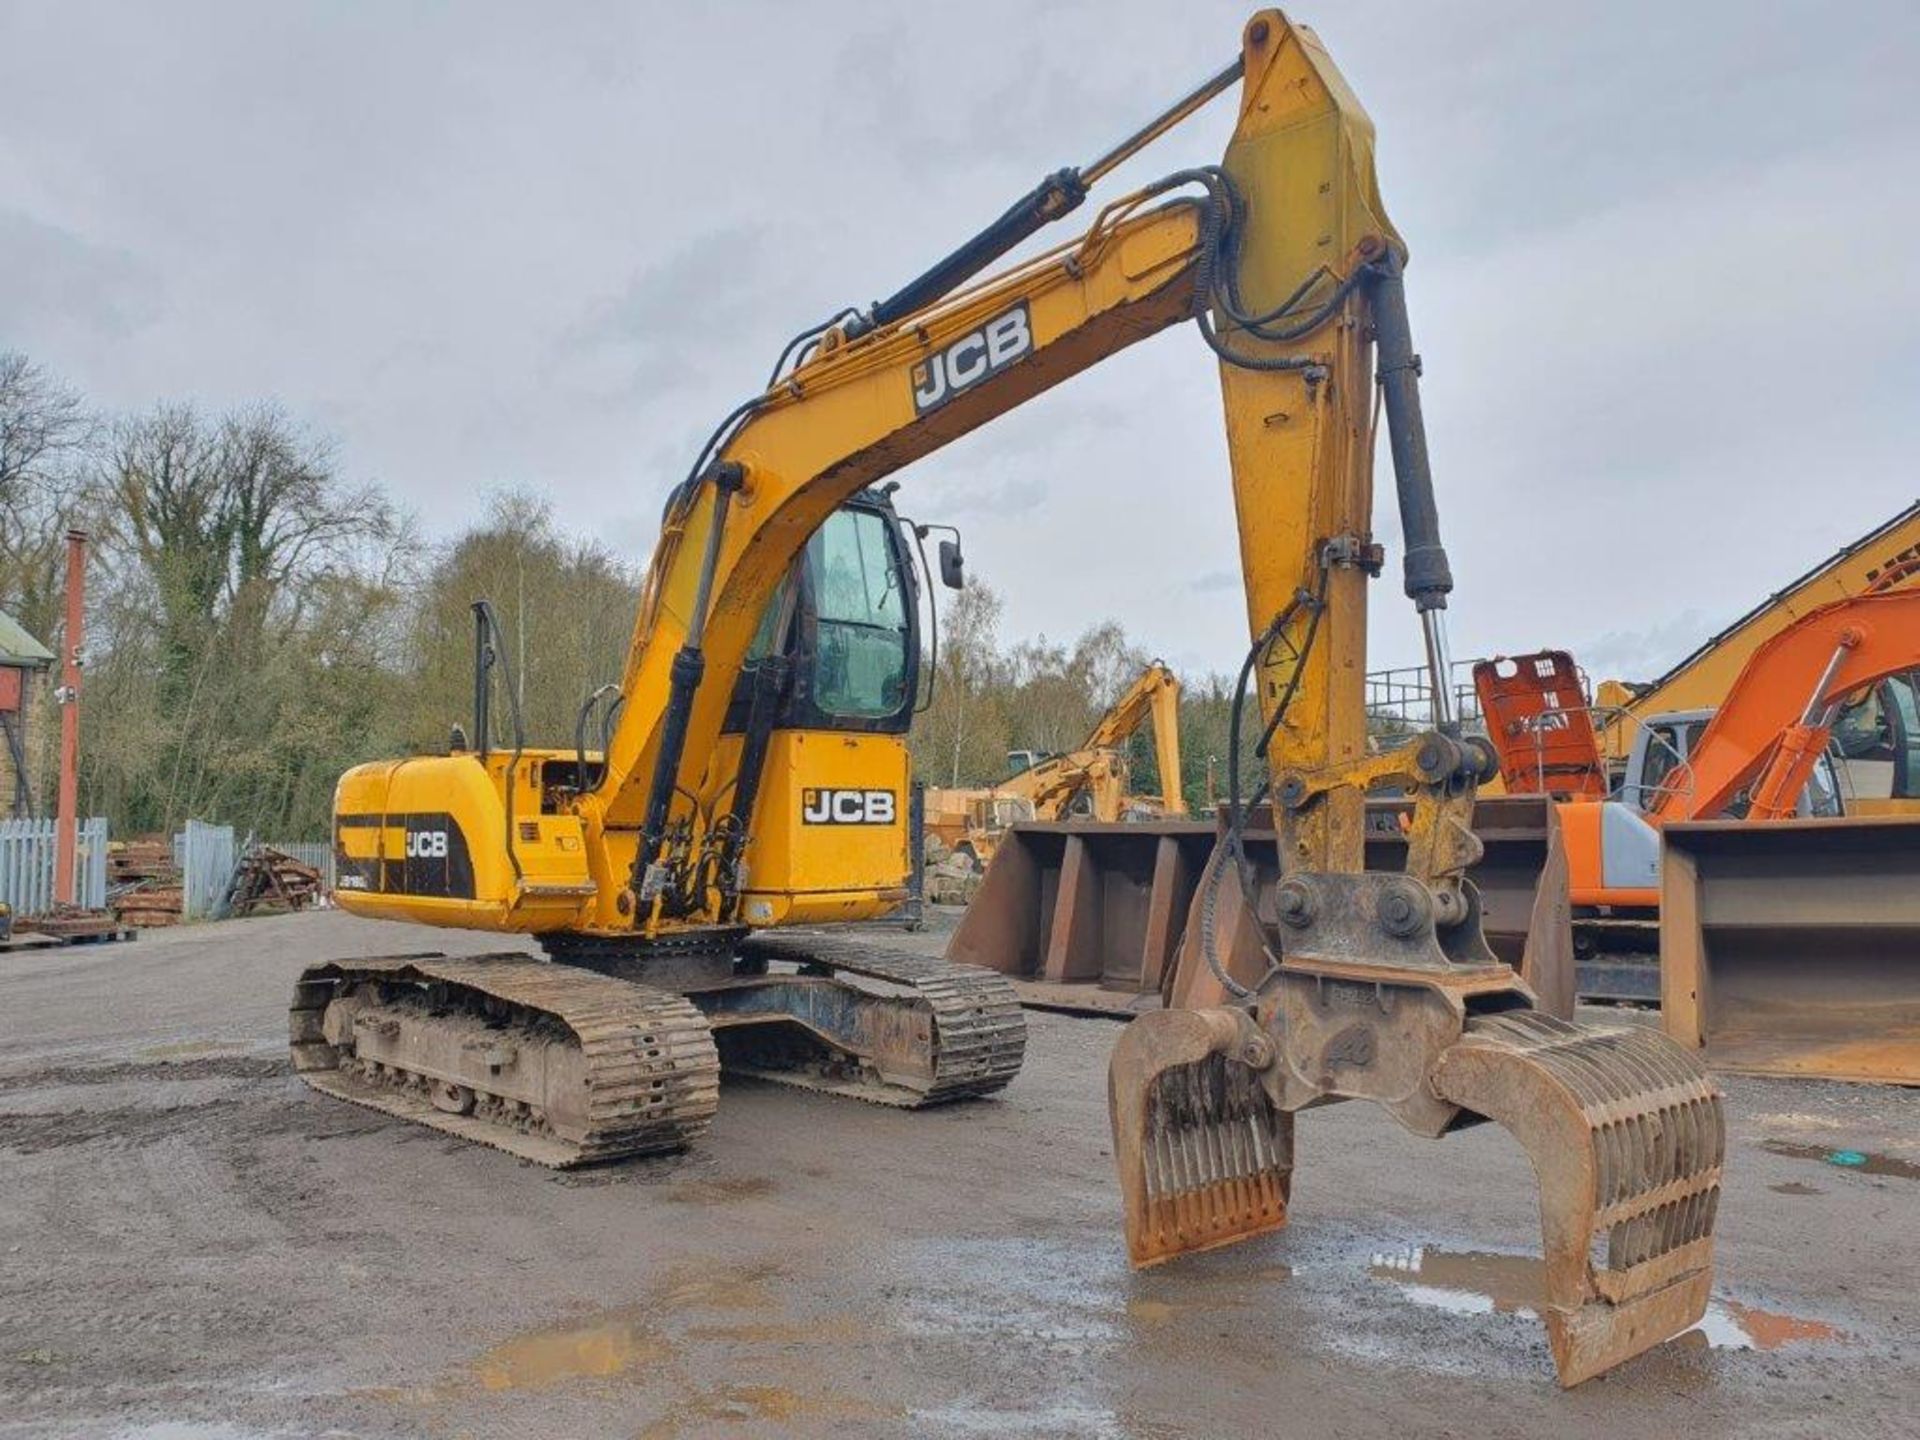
point(643, 870)
point(1091, 782)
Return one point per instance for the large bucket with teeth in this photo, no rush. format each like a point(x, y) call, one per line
point(1624, 1131)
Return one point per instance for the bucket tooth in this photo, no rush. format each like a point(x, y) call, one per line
point(1627, 1139)
point(1205, 1157)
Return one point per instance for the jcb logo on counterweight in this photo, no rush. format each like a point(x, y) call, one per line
point(972, 358)
point(426, 844)
point(848, 807)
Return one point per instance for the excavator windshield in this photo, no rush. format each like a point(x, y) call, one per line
point(846, 618)
point(860, 651)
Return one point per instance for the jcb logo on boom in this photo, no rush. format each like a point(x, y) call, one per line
point(972, 358)
point(848, 807)
point(426, 844)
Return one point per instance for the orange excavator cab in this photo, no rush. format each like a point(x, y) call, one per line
point(1541, 726)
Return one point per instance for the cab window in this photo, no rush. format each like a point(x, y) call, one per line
point(861, 644)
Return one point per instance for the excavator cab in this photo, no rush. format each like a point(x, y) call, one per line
point(818, 722)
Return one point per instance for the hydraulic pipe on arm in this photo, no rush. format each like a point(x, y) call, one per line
point(1776, 794)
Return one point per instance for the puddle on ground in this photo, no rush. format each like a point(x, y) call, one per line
point(612, 1343)
point(600, 1348)
point(1794, 1187)
point(1860, 1162)
point(187, 1049)
point(716, 1287)
point(1473, 1282)
point(1201, 1294)
point(719, 1189)
point(743, 1404)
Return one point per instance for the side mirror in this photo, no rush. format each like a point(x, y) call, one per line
point(953, 571)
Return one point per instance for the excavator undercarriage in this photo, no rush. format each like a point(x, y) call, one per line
point(594, 1059)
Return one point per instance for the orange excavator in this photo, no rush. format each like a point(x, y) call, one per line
point(1753, 761)
point(1832, 883)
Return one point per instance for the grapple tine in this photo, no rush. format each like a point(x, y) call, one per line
point(1205, 1157)
point(1626, 1137)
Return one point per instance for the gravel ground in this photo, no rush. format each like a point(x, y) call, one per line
point(193, 1246)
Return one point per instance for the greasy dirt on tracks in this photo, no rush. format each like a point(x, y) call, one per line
point(191, 1244)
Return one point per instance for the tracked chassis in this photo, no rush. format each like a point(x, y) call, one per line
point(566, 1065)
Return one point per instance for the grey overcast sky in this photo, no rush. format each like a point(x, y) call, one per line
point(1660, 268)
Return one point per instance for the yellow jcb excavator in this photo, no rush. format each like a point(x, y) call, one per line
point(642, 871)
point(1091, 782)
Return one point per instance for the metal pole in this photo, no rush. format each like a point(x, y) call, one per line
point(66, 814)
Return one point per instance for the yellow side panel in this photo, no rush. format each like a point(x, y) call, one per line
point(425, 840)
point(829, 837)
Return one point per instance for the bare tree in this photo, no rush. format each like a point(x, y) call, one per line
point(45, 429)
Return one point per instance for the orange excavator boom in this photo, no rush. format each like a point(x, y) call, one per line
point(1775, 721)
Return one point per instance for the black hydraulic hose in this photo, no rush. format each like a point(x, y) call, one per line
point(794, 354)
point(608, 721)
point(689, 665)
point(488, 623)
point(587, 708)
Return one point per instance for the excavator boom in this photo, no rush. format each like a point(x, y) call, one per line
point(1780, 707)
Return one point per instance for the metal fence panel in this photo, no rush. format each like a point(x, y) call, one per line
point(27, 850)
point(206, 854)
point(90, 864)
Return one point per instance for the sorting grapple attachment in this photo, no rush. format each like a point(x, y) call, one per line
point(1627, 1138)
point(1205, 1156)
point(1624, 1131)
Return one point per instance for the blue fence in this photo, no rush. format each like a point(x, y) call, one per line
point(205, 854)
point(27, 850)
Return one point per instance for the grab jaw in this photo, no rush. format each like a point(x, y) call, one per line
point(1372, 1002)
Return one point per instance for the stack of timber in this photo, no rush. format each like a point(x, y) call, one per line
point(143, 883)
point(74, 924)
point(270, 882)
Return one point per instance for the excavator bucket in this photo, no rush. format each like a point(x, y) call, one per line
point(1541, 728)
point(1624, 1131)
point(1085, 916)
point(1101, 917)
point(1793, 947)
